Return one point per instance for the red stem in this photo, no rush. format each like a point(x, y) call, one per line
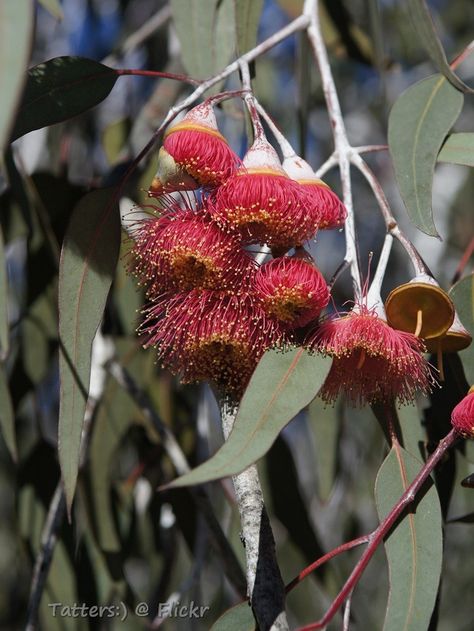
point(155, 73)
point(468, 252)
point(342, 548)
point(377, 536)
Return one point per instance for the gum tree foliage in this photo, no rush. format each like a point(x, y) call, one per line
point(92, 426)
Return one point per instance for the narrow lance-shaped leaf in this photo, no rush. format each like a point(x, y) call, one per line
point(458, 149)
point(206, 32)
point(88, 260)
point(462, 294)
point(61, 88)
point(237, 618)
point(282, 384)
point(423, 23)
point(414, 548)
point(7, 417)
point(3, 302)
point(16, 30)
point(417, 127)
point(54, 8)
point(247, 17)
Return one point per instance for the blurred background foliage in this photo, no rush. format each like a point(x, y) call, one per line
point(125, 541)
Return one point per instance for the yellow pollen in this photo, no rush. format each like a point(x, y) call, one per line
point(191, 269)
point(287, 303)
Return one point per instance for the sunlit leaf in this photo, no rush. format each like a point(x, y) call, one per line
point(88, 261)
point(54, 8)
point(16, 30)
point(414, 547)
point(421, 20)
point(282, 384)
point(206, 32)
point(61, 88)
point(458, 149)
point(238, 618)
point(247, 17)
point(462, 294)
point(7, 417)
point(4, 342)
point(418, 124)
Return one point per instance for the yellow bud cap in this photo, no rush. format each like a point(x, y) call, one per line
point(421, 294)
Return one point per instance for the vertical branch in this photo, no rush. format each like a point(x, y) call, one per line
point(341, 142)
point(265, 587)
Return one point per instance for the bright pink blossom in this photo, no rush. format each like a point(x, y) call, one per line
point(292, 290)
point(462, 416)
point(372, 361)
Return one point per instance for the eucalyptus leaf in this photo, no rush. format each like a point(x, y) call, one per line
point(458, 149)
point(16, 32)
point(54, 8)
point(418, 124)
point(87, 267)
point(283, 383)
point(7, 416)
point(61, 88)
point(247, 17)
point(462, 294)
point(237, 618)
point(206, 32)
point(423, 23)
point(414, 547)
point(4, 334)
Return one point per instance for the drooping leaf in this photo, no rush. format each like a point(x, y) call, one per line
point(282, 384)
point(61, 88)
point(206, 32)
point(462, 294)
point(16, 31)
point(237, 618)
point(88, 261)
point(54, 8)
point(325, 426)
point(7, 417)
point(247, 17)
point(414, 547)
point(418, 124)
point(423, 23)
point(4, 342)
point(458, 149)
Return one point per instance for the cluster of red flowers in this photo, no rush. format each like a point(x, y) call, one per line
point(213, 310)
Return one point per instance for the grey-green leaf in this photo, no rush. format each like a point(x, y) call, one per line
point(88, 261)
point(237, 618)
point(54, 8)
point(423, 23)
point(4, 336)
point(418, 124)
point(206, 33)
point(16, 31)
point(414, 547)
point(247, 17)
point(462, 294)
point(458, 149)
point(7, 417)
point(282, 384)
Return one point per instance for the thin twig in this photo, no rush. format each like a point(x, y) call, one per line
point(341, 142)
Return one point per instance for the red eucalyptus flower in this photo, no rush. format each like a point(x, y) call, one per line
point(185, 249)
point(263, 203)
point(462, 416)
point(372, 361)
point(210, 335)
point(199, 149)
point(292, 290)
point(323, 202)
